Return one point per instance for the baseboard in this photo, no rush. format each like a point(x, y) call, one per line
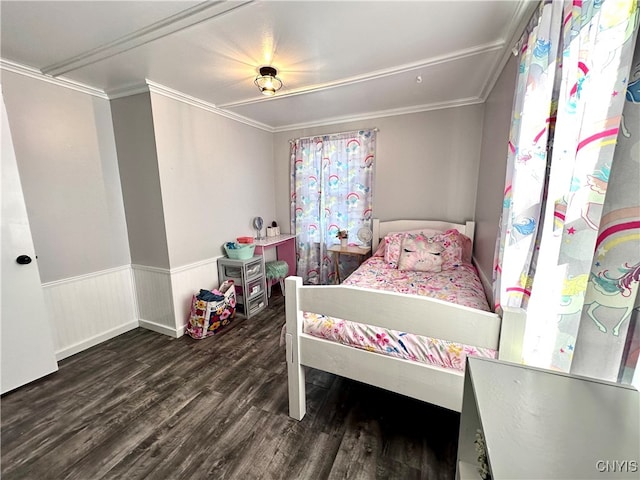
point(182, 330)
point(95, 340)
point(156, 327)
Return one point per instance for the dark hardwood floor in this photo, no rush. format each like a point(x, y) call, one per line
point(144, 405)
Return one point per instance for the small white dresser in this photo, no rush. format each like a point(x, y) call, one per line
point(540, 424)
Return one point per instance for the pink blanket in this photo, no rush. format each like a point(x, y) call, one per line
point(459, 285)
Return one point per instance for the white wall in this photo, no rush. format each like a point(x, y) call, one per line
point(493, 161)
point(426, 165)
point(193, 179)
point(138, 161)
point(216, 175)
point(66, 155)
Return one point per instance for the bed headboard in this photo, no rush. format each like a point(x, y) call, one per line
point(380, 228)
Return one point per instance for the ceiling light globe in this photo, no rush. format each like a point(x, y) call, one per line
point(267, 81)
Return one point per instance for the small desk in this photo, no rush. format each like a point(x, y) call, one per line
point(338, 250)
point(285, 246)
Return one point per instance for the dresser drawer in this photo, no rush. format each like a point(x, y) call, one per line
point(232, 271)
point(256, 304)
point(254, 269)
point(255, 287)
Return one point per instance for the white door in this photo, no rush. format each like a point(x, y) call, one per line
point(27, 342)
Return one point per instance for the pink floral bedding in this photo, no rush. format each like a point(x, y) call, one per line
point(459, 285)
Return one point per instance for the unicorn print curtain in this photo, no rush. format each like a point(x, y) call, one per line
point(612, 283)
point(533, 117)
point(331, 190)
point(596, 42)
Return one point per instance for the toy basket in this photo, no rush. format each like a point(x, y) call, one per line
point(243, 251)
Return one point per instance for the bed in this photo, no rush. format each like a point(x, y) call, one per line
point(404, 312)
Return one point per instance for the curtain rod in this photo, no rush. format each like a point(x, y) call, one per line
point(332, 134)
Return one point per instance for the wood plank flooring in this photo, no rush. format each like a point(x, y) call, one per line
point(143, 405)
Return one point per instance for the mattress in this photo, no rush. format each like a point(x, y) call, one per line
point(460, 285)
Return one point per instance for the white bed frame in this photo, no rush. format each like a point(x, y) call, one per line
point(407, 313)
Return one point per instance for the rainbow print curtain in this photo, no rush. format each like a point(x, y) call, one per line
point(331, 190)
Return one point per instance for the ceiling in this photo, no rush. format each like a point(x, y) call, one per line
point(339, 61)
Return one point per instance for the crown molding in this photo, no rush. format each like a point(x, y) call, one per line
point(430, 62)
point(13, 67)
point(196, 102)
point(186, 18)
point(128, 91)
point(461, 102)
point(517, 24)
point(150, 86)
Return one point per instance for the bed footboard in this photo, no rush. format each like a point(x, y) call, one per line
point(409, 313)
point(295, 370)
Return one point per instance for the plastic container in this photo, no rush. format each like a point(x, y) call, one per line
point(244, 239)
point(243, 251)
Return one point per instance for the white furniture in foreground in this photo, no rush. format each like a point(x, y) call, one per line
point(407, 313)
point(540, 424)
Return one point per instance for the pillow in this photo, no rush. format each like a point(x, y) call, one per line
point(452, 243)
point(393, 241)
point(457, 246)
point(420, 253)
point(392, 244)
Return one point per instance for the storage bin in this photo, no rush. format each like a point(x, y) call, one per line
point(234, 273)
point(243, 251)
point(248, 274)
point(254, 270)
point(254, 305)
point(255, 287)
point(208, 317)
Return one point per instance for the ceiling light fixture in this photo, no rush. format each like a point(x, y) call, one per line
point(267, 81)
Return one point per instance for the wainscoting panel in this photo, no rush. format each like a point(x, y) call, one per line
point(155, 302)
point(187, 281)
point(90, 309)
